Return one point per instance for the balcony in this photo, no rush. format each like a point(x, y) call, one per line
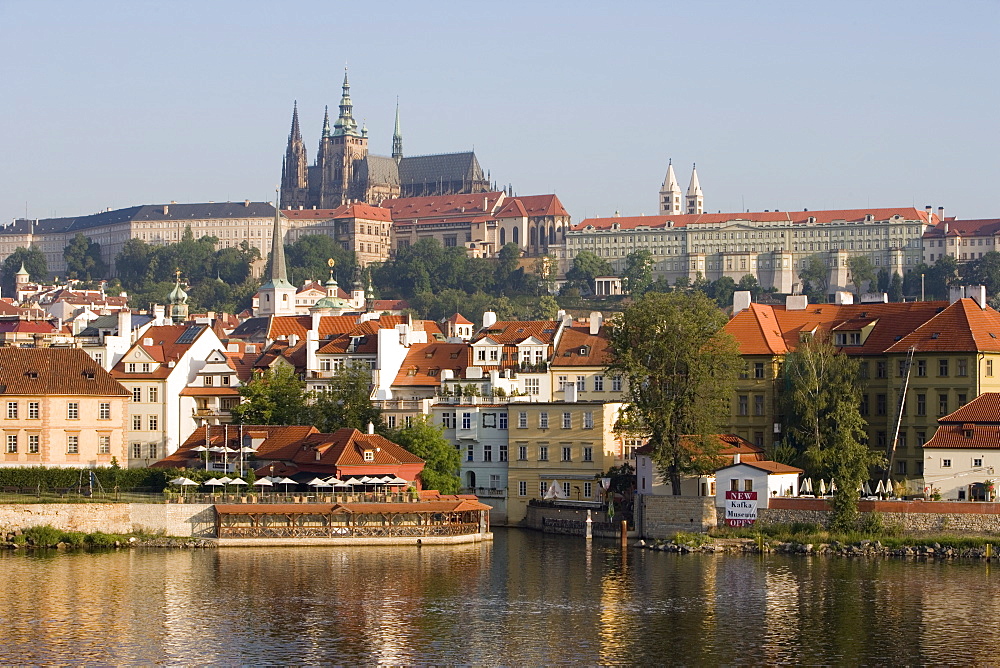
point(486, 492)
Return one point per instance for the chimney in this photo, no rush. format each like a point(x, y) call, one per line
point(312, 345)
point(489, 319)
point(158, 311)
point(843, 297)
point(741, 301)
point(940, 213)
point(315, 322)
point(124, 322)
point(736, 458)
point(166, 209)
point(955, 292)
point(978, 293)
point(796, 302)
point(371, 428)
point(596, 321)
point(246, 203)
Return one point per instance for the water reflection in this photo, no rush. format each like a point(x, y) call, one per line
point(525, 599)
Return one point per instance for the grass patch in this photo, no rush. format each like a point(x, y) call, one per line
point(691, 539)
point(876, 529)
point(46, 536)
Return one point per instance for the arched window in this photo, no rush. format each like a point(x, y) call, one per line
point(514, 236)
point(552, 235)
point(503, 237)
point(532, 236)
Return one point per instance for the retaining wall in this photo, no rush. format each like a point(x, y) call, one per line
point(572, 521)
point(182, 520)
point(663, 516)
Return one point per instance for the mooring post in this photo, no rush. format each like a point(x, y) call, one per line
point(624, 534)
point(590, 528)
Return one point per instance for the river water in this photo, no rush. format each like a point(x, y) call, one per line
point(527, 598)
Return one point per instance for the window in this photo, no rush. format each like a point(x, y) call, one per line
point(390, 420)
point(12, 443)
point(33, 440)
point(581, 383)
point(758, 370)
point(567, 421)
point(901, 468)
point(146, 367)
point(153, 395)
point(744, 402)
point(103, 444)
point(880, 404)
point(565, 487)
point(72, 444)
point(567, 453)
point(369, 455)
point(137, 450)
point(946, 463)
point(748, 485)
point(588, 490)
point(942, 367)
point(522, 453)
point(942, 404)
point(152, 451)
point(470, 452)
point(734, 485)
point(921, 368)
point(522, 420)
point(522, 488)
point(11, 410)
point(153, 423)
point(863, 407)
point(531, 386)
point(963, 367)
point(407, 421)
point(598, 383)
point(880, 369)
point(616, 383)
point(902, 368)
point(136, 394)
point(72, 411)
point(33, 410)
point(543, 453)
point(209, 381)
point(921, 404)
point(961, 400)
point(758, 404)
point(503, 421)
point(104, 411)
point(542, 487)
point(588, 454)
point(880, 439)
point(136, 423)
point(588, 419)
point(99, 358)
point(487, 452)
point(901, 440)
point(466, 420)
point(130, 367)
point(989, 367)
point(921, 437)
point(490, 420)
point(543, 420)
point(977, 462)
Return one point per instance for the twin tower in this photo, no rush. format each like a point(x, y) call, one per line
point(673, 201)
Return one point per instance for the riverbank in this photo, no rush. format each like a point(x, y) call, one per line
point(46, 537)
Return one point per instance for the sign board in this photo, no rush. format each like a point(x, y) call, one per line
point(741, 509)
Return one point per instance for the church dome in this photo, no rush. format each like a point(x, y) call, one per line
point(177, 295)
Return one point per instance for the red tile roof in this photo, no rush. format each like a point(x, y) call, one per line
point(964, 228)
point(542, 205)
point(163, 349)
point(515, 331)
point(770, 467)
point(792, 217)
point(975, 426)
point(575, 339)
point(512, 208)
point(54, 371)
point(358, 211)
point(442, 206)
point(425, 361)
point(962, 327)
point(983, 409)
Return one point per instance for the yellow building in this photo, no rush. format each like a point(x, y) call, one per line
point(563, 443)
point(59, 408)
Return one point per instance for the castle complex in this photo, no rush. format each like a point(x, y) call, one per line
point(345, 172)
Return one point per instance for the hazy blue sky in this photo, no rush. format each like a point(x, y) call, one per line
point(786, 105)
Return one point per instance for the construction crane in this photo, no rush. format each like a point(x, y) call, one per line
point(891, 449)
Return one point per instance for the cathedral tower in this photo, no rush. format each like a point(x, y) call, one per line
point(671, 195)
point(295, 169)
point(695, 198)
point(277, 296)
point(346, 145)
point(397, 138)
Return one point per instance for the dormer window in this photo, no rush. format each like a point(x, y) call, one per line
point(369, 455)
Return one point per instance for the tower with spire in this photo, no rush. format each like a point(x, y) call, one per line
point(277, 295)
point(695, 198)
point(295, 168)
point(671, 195)
point(341, 150)
point(177, 302)
point(397, 138)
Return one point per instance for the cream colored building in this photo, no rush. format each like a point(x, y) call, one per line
point(59, 408)
point(567, 443)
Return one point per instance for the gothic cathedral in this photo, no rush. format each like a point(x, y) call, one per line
point(345, 172)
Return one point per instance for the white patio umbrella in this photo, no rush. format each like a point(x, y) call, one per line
point(353, 482)
point(879, 490)
point(399, 481)
point(804, 487)
point(214, 482)
point(833, 486)
point(318, 482)
point(286, 482)
point(178, 481)
point(225, 480)
point(200, 449)
point(263, 482)
point(867, 489)
point(822, 487)
point(335, 481)
point(238, 481)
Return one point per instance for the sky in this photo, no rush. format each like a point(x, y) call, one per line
point(782, 105)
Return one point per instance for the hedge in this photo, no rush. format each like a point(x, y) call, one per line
point(110, 478)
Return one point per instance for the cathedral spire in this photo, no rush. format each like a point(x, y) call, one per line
point(277, 295)
point(346, 125)
point(294, 135)
point(671, 195)
point(695, 197)
point(397, 138)
point(326, 122)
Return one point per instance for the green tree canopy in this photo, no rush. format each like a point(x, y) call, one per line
point(638, 272)
point(34, 264)
point(815, 279)
point(346, 402)
point(275, 397)
point(681, 367)
point(586, 267)
point(442, 459)
point(83, 259)
point(896, 287)
point(983, 271)
point(862, 272)
point(307, 259)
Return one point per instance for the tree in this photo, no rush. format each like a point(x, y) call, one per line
point(984, 271)
point(638, 272)
point(83, 259)
point(815, 279)
point(941, 276)
point(750, 284)
point(586, 267)
point(862, 271)
point(883, 280)
point(276, 397)
point(307, 259)
point(347, 401)
point(34, 263)
point(722, 290)
point(547, 308)
point(896, 287)
point(680, 368)
point(442, 460)
point(822, 399)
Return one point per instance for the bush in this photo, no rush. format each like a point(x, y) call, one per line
point(43, 536)
point(101, 539)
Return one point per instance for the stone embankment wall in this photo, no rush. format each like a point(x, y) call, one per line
point(664, 516)
point(572, 521)
point(184, 520)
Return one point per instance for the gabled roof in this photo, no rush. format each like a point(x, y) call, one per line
point(443, 206)
point(964, 228)
point(769, 467)
point(512, 208)
point(425, 361)
point(577, 339)
point(459, 319)
point(542, 205)
point(162, 344)
point(357, 210)
point(440, 167)
point(346, 447)
point(276, 438)
point(512, 332)
point(983, 409)
point(729, 445)
point(54, 371)
point(961, 327)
